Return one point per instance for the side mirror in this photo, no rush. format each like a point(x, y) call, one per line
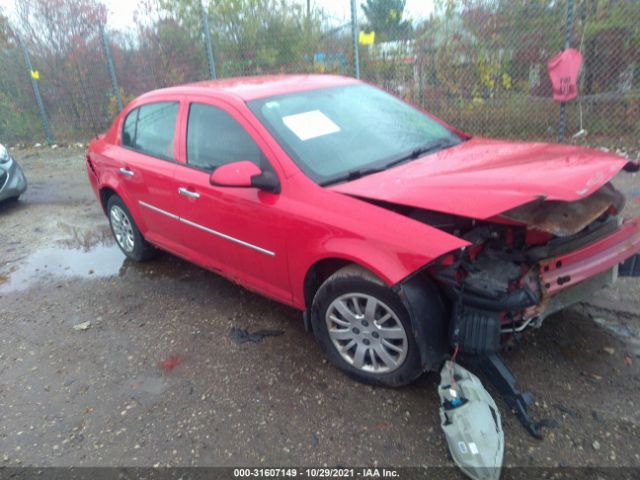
point(244, 174)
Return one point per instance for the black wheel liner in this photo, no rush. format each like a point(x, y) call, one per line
point(429, 319)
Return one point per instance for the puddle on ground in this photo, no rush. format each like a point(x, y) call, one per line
point(622, 331)
point(53, 263)
point(85, 239)
point(618, 329)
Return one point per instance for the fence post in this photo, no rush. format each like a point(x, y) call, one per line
point(354, 35)
point(207, 41)
point(112, 70)
point(567, 44)
point(36, 91)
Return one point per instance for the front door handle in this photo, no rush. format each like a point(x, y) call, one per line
point(127, 173)
point(188, 193)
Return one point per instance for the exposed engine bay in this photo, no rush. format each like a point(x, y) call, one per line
point(497, 285)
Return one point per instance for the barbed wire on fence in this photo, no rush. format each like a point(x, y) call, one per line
point(478, 64)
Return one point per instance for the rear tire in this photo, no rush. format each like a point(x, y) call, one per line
point(364, 329)
point(126, 232)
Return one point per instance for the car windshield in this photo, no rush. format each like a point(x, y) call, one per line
point(342, 133)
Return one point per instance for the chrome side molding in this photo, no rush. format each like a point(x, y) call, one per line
point(208, 230)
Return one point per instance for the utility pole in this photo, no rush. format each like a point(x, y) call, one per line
point(354, 35)
point(110, 67)
point(567, 45)
point(207, 41)
point(36, 91)
point(307, 29)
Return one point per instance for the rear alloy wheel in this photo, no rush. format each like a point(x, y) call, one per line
point(126, 233)
point(122, 229)
point(364, 328)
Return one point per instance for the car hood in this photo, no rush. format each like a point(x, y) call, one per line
point(482, 178)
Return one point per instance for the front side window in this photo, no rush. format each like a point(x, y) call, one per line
point(214, 138)
point(338, 133)
point(151, 129)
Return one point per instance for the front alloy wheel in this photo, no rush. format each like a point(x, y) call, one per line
point(367, 333)
point(364, 328)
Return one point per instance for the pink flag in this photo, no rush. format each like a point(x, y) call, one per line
point(563, 71)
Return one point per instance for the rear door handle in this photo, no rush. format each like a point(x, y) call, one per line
point(188, 193)
point(126, 173)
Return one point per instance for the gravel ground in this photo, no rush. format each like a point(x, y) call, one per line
point(156, 380)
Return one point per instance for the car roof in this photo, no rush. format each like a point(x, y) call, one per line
point(252, 88)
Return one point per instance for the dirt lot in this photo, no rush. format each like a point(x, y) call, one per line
point(103, 396)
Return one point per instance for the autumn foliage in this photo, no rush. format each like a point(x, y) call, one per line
point(479, 64)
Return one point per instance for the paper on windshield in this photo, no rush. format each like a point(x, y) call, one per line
point(310, 125)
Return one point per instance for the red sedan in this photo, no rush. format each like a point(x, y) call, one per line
point(398, 236)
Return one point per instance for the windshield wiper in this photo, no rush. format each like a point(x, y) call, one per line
point(353, 175)
point(415, 153)
point(421, 150)
point(361, 172)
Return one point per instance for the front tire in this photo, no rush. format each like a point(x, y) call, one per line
point(364, 329)
point(10, 200)
point(126, 233)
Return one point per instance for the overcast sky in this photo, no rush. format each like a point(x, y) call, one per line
point(121, 11)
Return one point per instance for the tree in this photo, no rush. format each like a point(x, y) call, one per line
point(4, 29)
point(385, 17)
point(63, 37)
point(253, 36)
point(19, 120)
point(169, 48)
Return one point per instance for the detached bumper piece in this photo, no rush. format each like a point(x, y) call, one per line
point(477, 334)
point(504, 381)
point(471, 423)
point(630, 267)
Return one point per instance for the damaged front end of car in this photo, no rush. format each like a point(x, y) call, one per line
point(530, 262)
point(524, 265)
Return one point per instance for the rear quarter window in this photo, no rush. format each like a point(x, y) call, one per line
point(129, 128)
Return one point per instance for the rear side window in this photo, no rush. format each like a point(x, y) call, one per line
point(151, 129)
point(129, 129)
point(214, 138)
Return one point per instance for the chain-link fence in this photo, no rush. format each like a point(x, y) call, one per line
point(481, 65)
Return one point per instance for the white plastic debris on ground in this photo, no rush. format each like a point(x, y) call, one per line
point(471, 423)
point(82, 326)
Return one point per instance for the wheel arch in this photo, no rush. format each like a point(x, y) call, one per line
point(419, 294)
point(322, 269)
point(429, 317)
point(106, 192)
